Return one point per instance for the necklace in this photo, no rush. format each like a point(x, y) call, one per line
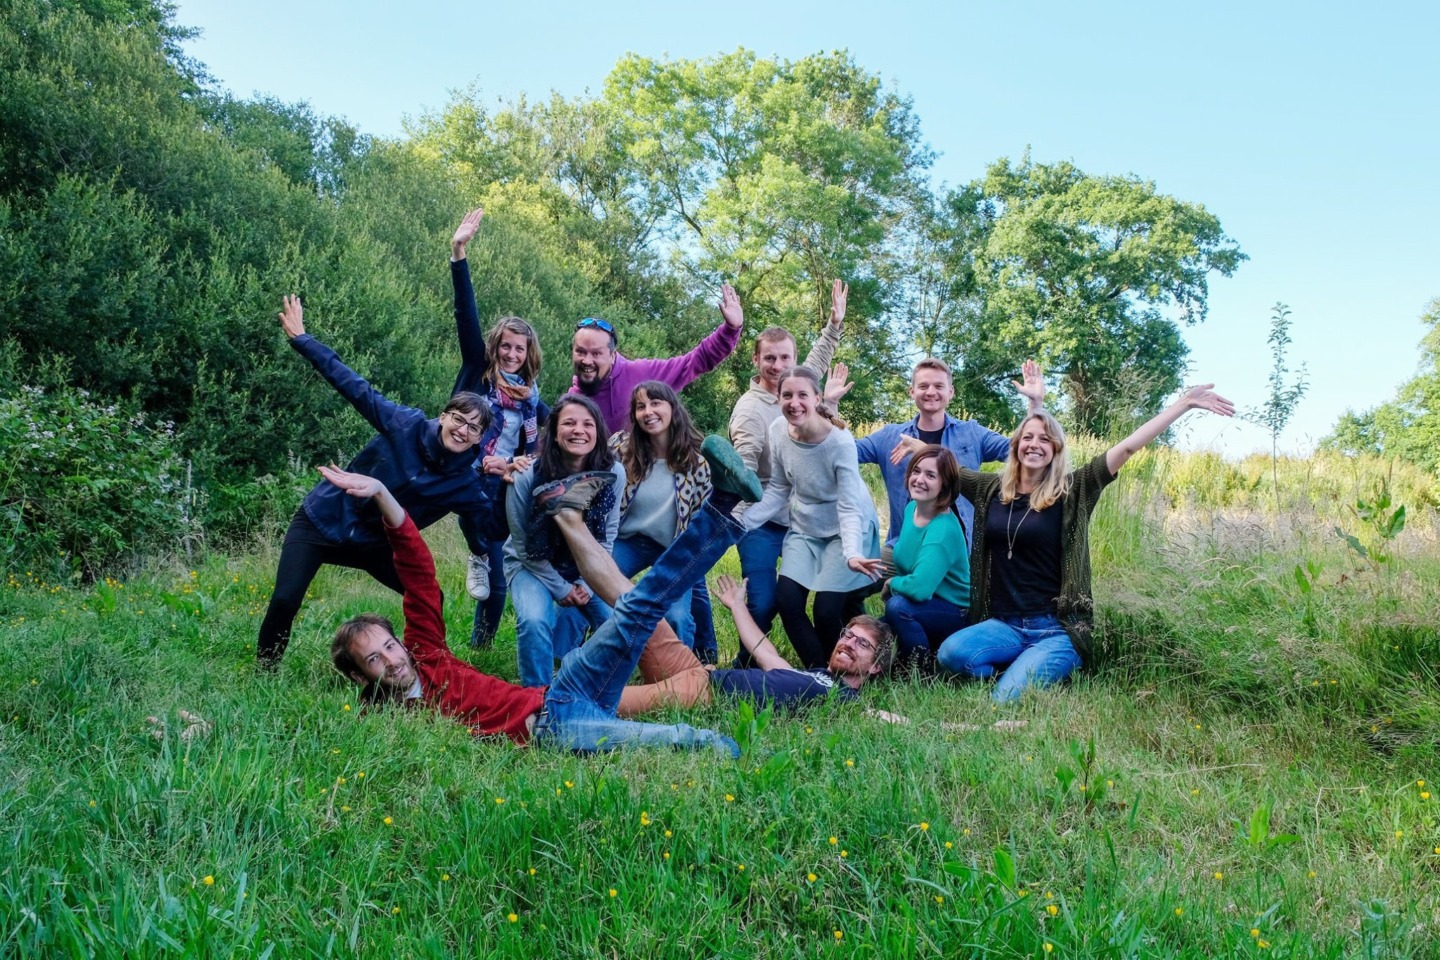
point(1010, 538)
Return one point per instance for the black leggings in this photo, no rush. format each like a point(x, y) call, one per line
point(814, 642)
point(301, 556)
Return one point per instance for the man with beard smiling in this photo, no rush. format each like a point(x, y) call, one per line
point(608, 378)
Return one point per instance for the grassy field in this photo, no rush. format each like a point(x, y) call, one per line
point(1264, 758)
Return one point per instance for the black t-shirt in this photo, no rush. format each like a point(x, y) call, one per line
point(1026, 581)
point(788, 689)
point(930, 436)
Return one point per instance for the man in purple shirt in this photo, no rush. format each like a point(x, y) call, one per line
point(608, 378)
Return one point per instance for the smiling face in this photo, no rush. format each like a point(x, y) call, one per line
point(575, 432)
point(798, 399)
point(931, 390)
point(653, 415)
point(380, 657)
point(773, 358)
point(591, 353)
point(923, 481)
point(856, 652)
point(1034, 447)
point(460, 431)
point(512, 351)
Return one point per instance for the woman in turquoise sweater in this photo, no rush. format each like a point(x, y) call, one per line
point(928, 599)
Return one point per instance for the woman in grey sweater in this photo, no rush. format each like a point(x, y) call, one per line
point(834, 531)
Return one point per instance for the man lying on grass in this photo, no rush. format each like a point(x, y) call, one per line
point(674, 676)
point(577, 711)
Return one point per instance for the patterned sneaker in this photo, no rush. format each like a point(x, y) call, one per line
point(728, 472)
point(575, 492)
point(477, 577)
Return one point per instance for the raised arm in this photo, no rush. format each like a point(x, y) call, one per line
point(467, 315)
point(1202, 397)
point(414, 565)
point(822, 352)
point(1032, 388)
point(708, 354)
point(731, 593)
point(371, 404)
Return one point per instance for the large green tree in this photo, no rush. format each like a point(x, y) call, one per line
point(1095, 275)
point(1407, 427)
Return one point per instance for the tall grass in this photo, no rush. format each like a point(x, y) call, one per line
point(1221, 688)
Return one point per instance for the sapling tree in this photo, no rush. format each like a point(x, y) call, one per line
point(1285, 393)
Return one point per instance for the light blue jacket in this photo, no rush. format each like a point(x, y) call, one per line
point(971, 443)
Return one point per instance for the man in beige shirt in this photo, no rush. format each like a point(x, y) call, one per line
point(756, 409)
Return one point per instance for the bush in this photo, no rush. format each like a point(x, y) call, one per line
point(86, 487)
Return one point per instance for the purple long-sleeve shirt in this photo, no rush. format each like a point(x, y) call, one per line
point(613, 394)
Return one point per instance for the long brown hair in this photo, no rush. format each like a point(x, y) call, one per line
point(529, 371)
point(1056, 481)
point(822, 406)
point(684, 451)
point(552, 463)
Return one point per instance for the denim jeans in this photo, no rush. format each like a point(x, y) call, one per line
point(544, 630)
point(489, 611)
point(633, 554)
point(759, 551)
point(1030, 650)
point(580, 704)
point(921, 627)
point(707, 648)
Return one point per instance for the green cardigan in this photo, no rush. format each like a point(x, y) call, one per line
point(1075, 606)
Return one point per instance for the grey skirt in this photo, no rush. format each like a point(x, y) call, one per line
point(818, 564)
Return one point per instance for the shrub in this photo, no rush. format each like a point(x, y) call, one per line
point(85, 487)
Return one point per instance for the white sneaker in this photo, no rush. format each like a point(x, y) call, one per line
point(477, 577)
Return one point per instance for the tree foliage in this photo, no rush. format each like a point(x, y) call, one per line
point(1407, 427)
point(1094, 275)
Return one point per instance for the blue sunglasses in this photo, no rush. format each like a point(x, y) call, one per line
point(596, 322)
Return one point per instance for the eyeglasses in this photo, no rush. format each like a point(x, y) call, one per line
point(861, 641)
point(588, 322)
point(459, 423)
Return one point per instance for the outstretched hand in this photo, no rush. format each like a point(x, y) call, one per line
point(838, 384)
point(292, 316)
point(904, 448)
point(872, 567)
point(367, 488)
point(730, 307)
point(1033, 386)
point(729, 591)
point(465, 233)
point(839, 298)
point(1204, 397)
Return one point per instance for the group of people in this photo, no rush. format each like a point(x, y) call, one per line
point(983, 575)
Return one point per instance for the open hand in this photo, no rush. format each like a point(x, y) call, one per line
point(729, 591)
point(355, 484)
point(1204, 397)
point(839, 298)
point(465, 233)
point(1033, 386)
point(837, 384)
point(730, 307)
point(904, 448)
point(873, 568)
point(292, 316)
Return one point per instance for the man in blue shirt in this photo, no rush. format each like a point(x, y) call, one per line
point(931, 389)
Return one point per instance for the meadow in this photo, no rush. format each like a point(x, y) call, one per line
point(1249, 768)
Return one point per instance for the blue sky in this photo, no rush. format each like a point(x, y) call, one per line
point(1312, 130)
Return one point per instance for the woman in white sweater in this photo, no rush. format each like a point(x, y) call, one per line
point(834, 531)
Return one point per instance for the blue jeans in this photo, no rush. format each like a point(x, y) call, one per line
point(489, 611)
point(921, 627)
point(580, 705)
point(633, 554)
point(1030, 650)
point(759, 551)
point(544, 630)
point(707, 648)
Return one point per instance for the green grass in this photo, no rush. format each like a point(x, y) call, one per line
point(1220, 687)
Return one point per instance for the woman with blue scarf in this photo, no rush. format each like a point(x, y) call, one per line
point(504, 368)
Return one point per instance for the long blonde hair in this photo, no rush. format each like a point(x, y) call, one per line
point(822, 406)
point(529, 371)
point(1056, 481)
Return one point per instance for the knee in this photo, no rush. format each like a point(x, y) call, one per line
point(899, 608)
point(963, 654)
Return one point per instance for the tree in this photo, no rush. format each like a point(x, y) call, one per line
point(1407, 427)
point(1284, 397)
point(1092, 274)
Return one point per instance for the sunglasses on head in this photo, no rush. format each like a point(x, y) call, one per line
point(588, 322)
